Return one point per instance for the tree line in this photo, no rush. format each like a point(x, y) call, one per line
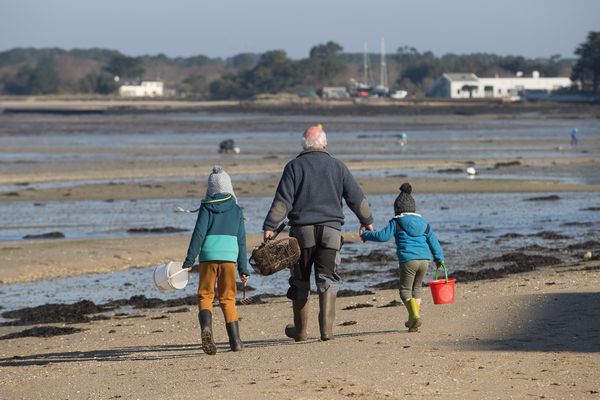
point(94, 71)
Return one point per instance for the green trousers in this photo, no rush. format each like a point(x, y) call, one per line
point(411, 278)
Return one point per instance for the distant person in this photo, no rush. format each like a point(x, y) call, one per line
point(220, 239)
point(403, 139)
point(415, 244)
point(574, 138)
point(310, 194)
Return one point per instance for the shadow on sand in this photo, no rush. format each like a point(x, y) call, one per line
point(557, 322)
point(149, 353)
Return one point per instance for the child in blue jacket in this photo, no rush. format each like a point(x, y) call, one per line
point(415, 244)
point(219, 240)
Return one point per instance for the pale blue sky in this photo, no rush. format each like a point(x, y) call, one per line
point(224, 28)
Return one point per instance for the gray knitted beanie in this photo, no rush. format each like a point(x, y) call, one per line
point(219, 182)
point(404, 202)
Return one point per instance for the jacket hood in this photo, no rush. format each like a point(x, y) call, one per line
point(219, 203)
point(413, 224)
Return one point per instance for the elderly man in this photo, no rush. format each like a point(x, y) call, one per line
point(310, 194)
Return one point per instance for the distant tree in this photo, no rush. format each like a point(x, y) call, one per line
point(273, 73)
point(19, 84)
point(227, 87)
point(323, 64)
point(42, 79)
point(194, 85)
point(125, 67)
point(243, 61)
point(587, 68)
point(101, 83)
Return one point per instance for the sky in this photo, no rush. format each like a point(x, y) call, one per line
point(223, 28)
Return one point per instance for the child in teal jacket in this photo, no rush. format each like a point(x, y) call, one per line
point(415, 244)
point(219, 239)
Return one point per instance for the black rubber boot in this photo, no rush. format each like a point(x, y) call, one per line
point(327, 314)
point(233, 331)
point(208, 344)
point(297, 331)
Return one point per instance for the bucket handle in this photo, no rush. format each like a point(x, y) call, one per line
point(180, 271)
point(443, 265)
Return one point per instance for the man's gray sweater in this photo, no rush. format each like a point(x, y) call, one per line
point(310, 192)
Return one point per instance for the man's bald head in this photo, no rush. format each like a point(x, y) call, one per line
point(314, 138)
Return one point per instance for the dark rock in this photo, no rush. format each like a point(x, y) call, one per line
point(550, 235)
point(544, 198)
point(506, 164)
point(393, 303)
point(357, 306)
point(178, 310)
point(450, 171)
point(49, 235)
point(393, 284)
point(166, 229)
point(590, 244)
point(352, 293)
point(52, 313)
point(11, 194)
point(376, 256)
point(42, 331)
point(480, 230)
point(348, 323)
point(591, 209)
point(582, 224)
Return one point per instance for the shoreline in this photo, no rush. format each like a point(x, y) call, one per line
point(300, 106)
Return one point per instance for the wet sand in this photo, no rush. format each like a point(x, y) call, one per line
point(35, 160)
point(533, 335)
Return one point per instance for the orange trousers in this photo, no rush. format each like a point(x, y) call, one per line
point(223, 274)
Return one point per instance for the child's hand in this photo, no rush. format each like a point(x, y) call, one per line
point(244, 279)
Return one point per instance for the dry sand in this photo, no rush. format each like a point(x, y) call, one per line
point(534, 335)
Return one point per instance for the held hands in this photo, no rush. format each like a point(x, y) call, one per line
point(268, 235)
point(244, 279)
point(364, 228)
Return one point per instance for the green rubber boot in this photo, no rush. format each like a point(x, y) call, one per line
point(414, 321)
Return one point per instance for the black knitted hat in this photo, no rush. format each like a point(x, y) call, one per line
point(404, 202)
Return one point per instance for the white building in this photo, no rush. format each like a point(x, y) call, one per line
point(142, 89)
point(467, 85)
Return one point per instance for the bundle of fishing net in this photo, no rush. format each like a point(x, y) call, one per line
point(275, 255)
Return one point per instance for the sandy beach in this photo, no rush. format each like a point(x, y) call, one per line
point(532, 334)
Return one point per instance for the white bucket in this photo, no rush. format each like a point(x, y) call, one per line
point(170, 276)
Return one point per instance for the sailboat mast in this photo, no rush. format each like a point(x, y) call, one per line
point(383, 78)
point(365, 66)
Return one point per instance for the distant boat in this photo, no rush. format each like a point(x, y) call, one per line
point(399, 94)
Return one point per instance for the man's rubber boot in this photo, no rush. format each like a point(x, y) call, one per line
point(297, 331)
point(413, 315)
point(233, 331)
point(208, 344)
point(327, 314)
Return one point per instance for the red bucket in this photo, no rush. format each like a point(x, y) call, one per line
point(442, 290)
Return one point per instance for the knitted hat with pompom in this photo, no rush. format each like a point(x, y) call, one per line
point(219, 182)
point(404, 202)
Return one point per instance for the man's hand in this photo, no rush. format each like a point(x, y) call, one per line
point(440, 264)
point(364, 228)
point(244, 279)
point(268, 235)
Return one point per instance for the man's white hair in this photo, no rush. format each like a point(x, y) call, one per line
point(320, 141)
